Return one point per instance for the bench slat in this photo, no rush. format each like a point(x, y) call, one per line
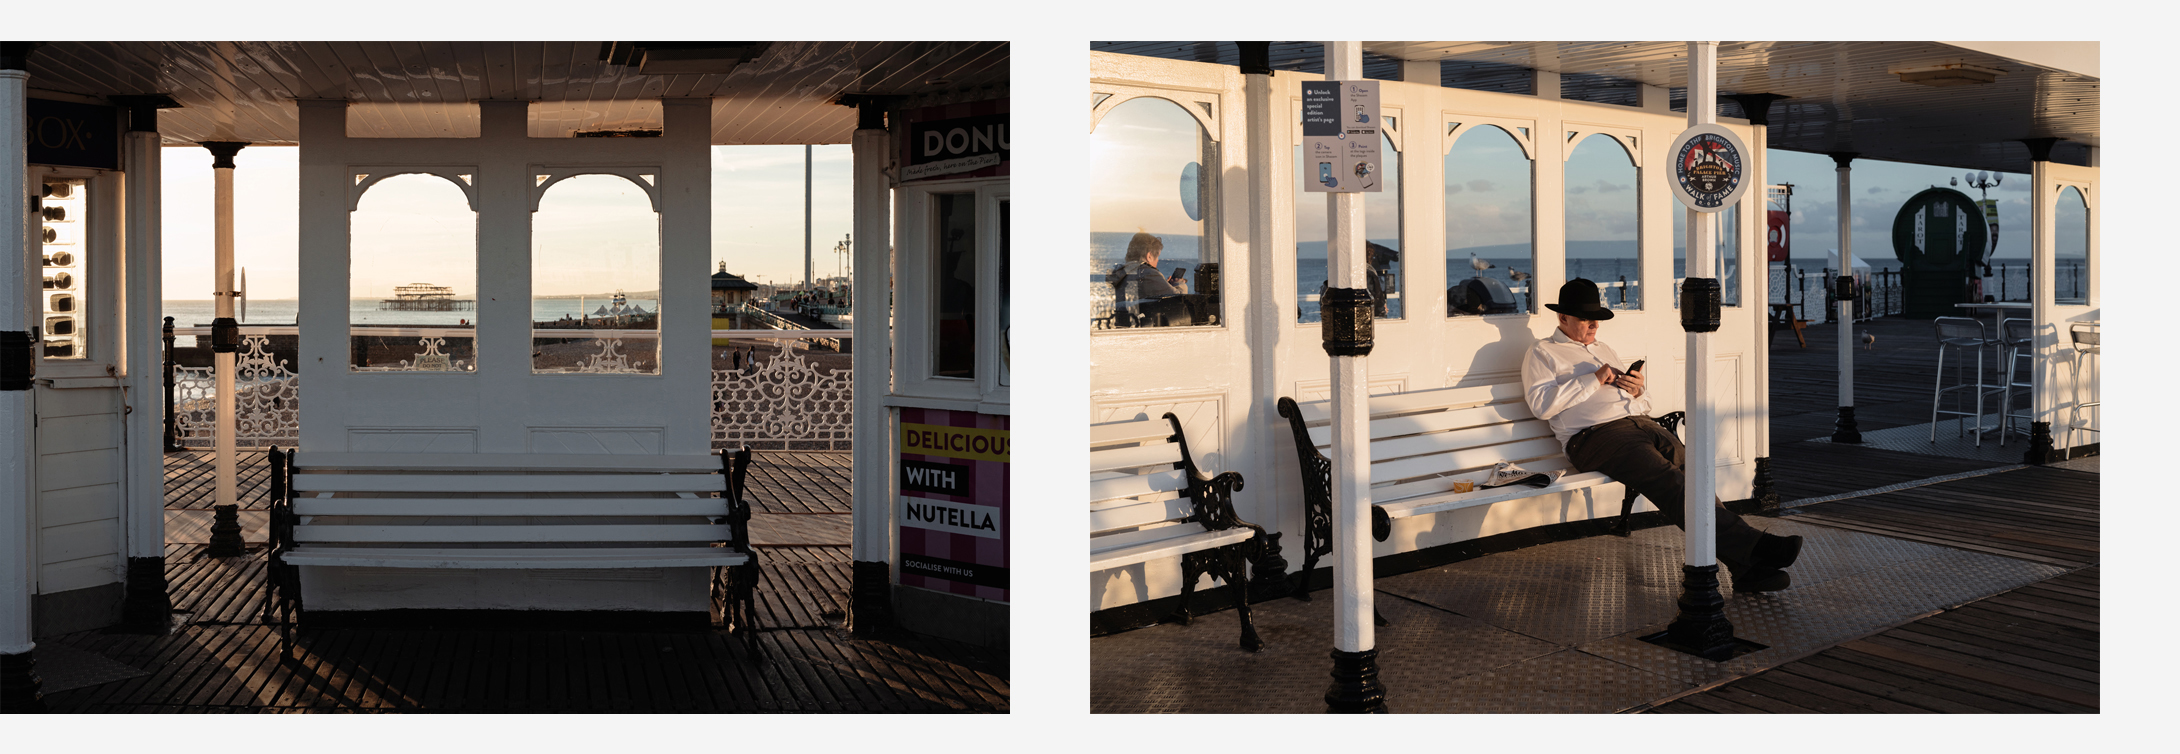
point(1170, 480)
point(649, 557)
point(1426, 505)
point(471, 506)
point(306, 461)
point(1421, 400)
point(584, 533)
point(1137, 513)
point(1444, 484)
point(1464, 459)
point(1394, 449)
point(309, 482)
point(1164, 453)
point(1133, 430)
point(1119, 550)
point(1460, 418)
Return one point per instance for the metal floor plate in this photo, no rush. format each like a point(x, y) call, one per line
point(62, 667)
point(1552, 628)
point(1951, 442)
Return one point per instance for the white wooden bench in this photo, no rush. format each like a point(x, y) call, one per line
point(1421, 443)
point(512, 511)
point(1149, 501)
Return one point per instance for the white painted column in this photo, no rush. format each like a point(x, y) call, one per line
point(2043, 267)
point(223, 307)
point(1846, 309)
point(872, 539)
point(143, 363)
point(1353, 630)
point(17, 580)
point(1701, 522)
point(809, 153)
point(1755, 255)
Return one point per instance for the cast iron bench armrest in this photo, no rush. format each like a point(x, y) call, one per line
point(1205, 533)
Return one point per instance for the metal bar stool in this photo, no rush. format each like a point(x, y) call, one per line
point(2018, 336)
point(2088, 339)
point(1961, 334)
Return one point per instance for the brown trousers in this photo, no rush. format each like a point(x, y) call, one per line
point(1648, 459)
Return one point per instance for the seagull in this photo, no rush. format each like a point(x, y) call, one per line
point(1869, 340)
point(1517, 275)
point(1477, 263)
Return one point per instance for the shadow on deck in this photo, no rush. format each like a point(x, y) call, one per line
point(221, 657)
point(1936, 577)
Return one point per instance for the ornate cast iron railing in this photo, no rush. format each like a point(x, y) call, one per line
point(787, 391)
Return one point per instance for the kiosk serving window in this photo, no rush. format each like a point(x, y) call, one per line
point(594, 272)
point(1154, 248)
point(1490, 217)
point(954, 285)
point(412, 277)
point(63, 225)
point(1381, 231)
point(1603, 220)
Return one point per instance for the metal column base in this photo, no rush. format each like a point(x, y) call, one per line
point(870, 604)
point(1765, 493)
point(2040, 451)
point(19, 684)
point(1355, 687)
point(1701, 629)
point(226, 532)
point(145, 606)
point(1845, 430)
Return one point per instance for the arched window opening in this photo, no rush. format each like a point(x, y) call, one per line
point(1491, 256)
point(2070, 248)
point(412, 277)
point(1382, 235)
point(1726, 245)
point(1604, 220)
point(1154, 246)
point(594, 273)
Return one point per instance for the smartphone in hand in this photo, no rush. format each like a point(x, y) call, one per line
point(1637, 366)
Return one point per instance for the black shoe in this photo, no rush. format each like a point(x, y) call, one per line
point(1759, 579)
point(1772, 553)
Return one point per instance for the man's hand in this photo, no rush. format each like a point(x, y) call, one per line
point(1632, 382)
point(1606, 375)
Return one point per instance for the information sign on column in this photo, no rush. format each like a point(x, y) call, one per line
point(1341, 148)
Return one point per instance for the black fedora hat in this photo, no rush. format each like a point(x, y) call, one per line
point(1579, 298)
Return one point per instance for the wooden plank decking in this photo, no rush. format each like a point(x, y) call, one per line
point(222, 658)
point(2032, 649)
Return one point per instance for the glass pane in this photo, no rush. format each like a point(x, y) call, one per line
point(1381, 231)
point(2070, 249)
point(594, 278)
point(1490, 233)
point(1153, 209)
point(1603, 221)
point(1728, 252)
point(62, 226)
point(412, 278)
point(953, 275)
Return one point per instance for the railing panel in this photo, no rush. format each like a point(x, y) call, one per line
point(796, 390)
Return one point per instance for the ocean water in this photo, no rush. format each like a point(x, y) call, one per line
point(366, 312)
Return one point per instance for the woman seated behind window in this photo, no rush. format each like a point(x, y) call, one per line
point(1138, 280)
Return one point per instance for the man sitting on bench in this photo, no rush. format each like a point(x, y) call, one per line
point(1601, 415)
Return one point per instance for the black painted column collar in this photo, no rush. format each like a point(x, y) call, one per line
point(2040, 147)
point(1347, 315)
point(1845, 430)
point(1756, 107)
point(1701, 628)
point(15, 56)
point(870, 602)
point(18, 362)
point(1700, 305)
point(223, 152)
point(144, 109)
point(19, 684)
point(1256, 58)
point(1842, 158)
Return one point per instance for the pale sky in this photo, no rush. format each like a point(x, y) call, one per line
point(757, 222)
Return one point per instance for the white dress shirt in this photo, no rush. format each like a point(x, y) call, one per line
point(1559, 381)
